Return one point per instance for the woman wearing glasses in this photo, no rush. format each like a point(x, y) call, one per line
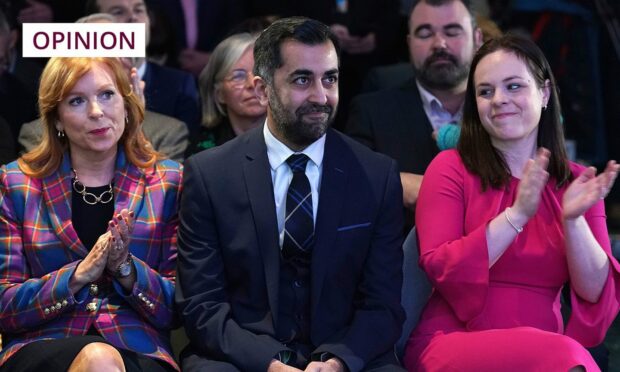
point(229, 104)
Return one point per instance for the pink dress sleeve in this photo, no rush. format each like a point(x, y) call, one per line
point(456, 261)
point(589, 322)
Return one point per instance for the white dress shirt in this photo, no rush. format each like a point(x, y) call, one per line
point(281, 174)
point(435, 112)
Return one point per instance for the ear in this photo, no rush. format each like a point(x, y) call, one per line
point(59, 126)
point(260, 89)
point(478, 38)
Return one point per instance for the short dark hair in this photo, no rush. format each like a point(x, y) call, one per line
point(474, 146)
point(267, 56)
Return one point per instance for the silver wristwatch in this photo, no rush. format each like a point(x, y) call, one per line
point(124, 270)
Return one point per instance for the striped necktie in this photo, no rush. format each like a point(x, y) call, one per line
point(299, 222)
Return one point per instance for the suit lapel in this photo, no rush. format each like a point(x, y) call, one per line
point(257, 174)
point(57, 196)
point(129, 184)
point(331, 198)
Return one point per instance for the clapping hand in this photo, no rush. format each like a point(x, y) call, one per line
point(533, 180)
point(93, 265)
point(120, 228)
point(587, 189)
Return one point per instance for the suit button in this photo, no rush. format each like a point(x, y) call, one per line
point(93, 290)
point(91, 306)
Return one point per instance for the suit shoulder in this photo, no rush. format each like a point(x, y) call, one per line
point(169, 169)
point(170, 72)
point(167, 123)
point(14, 181)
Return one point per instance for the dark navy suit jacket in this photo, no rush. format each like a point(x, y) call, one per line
point(229, 254)
point(172, 92)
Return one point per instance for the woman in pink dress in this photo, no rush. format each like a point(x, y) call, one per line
point(504, 222)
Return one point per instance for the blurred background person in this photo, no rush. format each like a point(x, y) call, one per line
point(229, 104)
point(88, 232)
point(167, 91)
point(399, 122)
point(17, 103)
point(198, 26)
point(7, 147)
point(504, 222)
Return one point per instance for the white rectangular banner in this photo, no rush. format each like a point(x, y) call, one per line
point(84, 40)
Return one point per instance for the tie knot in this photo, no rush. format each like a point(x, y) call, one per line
point(297, 162)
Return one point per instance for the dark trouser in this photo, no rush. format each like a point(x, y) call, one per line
point(192, 361)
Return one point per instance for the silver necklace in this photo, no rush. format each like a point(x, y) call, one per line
point(88, 197)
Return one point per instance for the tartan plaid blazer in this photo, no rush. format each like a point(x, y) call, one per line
point(39, 251)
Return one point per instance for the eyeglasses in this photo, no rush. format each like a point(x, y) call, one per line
point(238, 78)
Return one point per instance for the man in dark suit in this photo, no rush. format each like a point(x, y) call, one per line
point(400, 122)
point(289, 235)
point(167, 91)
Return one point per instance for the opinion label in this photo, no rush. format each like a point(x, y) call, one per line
point(84, 40)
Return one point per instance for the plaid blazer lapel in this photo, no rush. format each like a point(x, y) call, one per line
point(129, 184)
point(57, 197)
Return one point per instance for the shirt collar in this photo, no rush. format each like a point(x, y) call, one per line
point(429, 101)
point(277, 152)
point(436, 113)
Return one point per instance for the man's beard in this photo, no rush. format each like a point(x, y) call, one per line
point(292, 126)
point(442, 76)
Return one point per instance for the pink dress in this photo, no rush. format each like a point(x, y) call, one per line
point(508, 317)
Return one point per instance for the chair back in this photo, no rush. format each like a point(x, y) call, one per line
point(416, 289)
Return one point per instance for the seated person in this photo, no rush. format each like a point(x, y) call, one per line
point(229, 104)
point(504, 222)
point(88, 232)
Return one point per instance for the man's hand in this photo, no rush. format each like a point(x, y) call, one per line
point(411, 188)
point(332, 365)
point(277, 366)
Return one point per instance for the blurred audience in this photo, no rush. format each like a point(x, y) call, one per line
point(17, 103)
point(7, 146)
point(166, 91)
point(199, 25)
